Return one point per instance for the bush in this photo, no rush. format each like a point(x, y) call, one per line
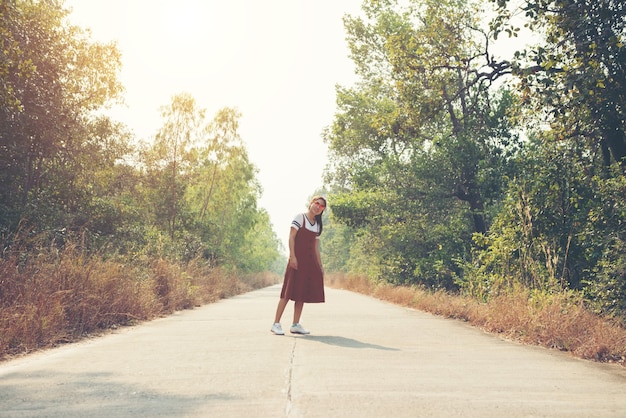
point(51, 295)
point(553, 320)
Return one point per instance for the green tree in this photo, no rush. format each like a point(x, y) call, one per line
point(577, 71)
point(13, 62)
point(259, 250)
point(53, 80)
point(421, 146)
point(222, 201)
point(169, 161)
point(538, 238)
point(201, 190)
point(572, 81)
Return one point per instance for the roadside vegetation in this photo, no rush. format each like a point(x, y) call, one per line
point(55, 296)
point(478, 166)
point(558, 321)
point(99, 228)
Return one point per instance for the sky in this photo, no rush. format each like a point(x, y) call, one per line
point(276, 61)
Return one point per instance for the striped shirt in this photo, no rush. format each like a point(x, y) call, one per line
point(297, 223)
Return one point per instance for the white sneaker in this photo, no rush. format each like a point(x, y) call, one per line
point(277, 329)
point(298, 329)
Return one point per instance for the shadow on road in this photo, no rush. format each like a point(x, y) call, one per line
point(345, 342)
point(92, 395)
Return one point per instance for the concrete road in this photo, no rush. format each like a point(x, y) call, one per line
point(364, 358)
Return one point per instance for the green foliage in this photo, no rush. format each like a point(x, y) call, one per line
point(605, 232)
point(431, 183)
point(535, 240)
point(420, 149)
point(578, 68)
point(69, 173)
point(568, 230)
point(53, 78)
point(607, 292)
point(203, 189)
point(13, 58)
point(559, 228)
point(260, 251)
point(169, 161)
point(336, 245)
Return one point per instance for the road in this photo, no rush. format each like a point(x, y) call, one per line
point(364, 358)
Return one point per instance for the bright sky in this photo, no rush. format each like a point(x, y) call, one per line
point(276, 61)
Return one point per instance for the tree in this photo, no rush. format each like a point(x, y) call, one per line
point(421, 145)
point(169, 161)
point(572, 81)
point(259, 251)
point(53, 79)
point(577, 72)
point(223, 196)
point(66, 168)
point(13, 59)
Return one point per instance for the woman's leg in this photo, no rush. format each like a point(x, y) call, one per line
point(297, 311)
point(282, 303)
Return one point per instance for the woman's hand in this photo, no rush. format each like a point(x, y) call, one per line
point(293, 262)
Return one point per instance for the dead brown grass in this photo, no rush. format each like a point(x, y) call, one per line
point(60, 297)
point(558, 321)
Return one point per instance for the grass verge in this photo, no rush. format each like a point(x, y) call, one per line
point(59, 297)
point(558, 321)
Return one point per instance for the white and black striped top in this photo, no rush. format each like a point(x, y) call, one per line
point(297, 223)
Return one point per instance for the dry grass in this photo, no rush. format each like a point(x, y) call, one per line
point(55, 298)
point(557, 321)
point(60, 297)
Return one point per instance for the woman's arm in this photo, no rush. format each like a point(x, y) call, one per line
point(293, 262)
point(318, 256)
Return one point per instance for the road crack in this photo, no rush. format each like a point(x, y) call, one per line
point(289, 377)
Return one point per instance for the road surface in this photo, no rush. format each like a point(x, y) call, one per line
point(364, 358)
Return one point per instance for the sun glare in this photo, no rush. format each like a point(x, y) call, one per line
point(191, 39)
point(276, 61)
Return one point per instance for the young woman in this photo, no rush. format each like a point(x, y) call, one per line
point(304, 275)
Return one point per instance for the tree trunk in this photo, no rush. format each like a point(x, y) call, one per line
point(472, 196)
point(614, 138)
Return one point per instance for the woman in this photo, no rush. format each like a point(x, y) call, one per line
point(304, 276)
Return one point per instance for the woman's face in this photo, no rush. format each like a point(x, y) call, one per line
point(318, 206)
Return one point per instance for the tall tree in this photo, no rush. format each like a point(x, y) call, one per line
point(577, 71)
point(53, 78)
point(573, 83)
point(14, 60)
point(223, 196)
point(169, 161)
point(422, 140)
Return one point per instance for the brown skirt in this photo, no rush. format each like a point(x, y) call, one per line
point(303, 285)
